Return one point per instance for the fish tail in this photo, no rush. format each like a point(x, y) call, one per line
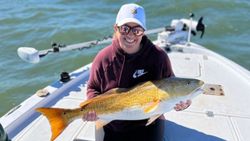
point(56, 119)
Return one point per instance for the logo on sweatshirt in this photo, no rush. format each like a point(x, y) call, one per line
point(139, 73)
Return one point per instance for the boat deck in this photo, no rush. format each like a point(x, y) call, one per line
point(210, 117)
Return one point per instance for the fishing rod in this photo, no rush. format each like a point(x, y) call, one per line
point(32, 55)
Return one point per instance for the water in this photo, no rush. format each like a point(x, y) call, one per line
point(37, 23)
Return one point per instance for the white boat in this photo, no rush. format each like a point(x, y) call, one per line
point(210, 117)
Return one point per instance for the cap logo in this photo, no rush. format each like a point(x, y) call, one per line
point(134, 11)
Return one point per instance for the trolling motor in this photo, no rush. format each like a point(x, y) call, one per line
point(180, 30)
point(32, 55)
point(195, 26)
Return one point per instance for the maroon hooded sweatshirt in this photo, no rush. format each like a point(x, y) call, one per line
point(113, 68)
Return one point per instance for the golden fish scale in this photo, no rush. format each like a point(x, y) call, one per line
point(145, 94)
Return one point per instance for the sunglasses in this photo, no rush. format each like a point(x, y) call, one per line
point(136, 30)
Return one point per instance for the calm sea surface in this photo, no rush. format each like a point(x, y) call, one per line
point(37, 23)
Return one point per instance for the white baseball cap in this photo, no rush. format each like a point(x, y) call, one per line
point(131, 13)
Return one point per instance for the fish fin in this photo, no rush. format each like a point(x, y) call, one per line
point(55, 117)
point(84, 103)
point(152, 119)
point(99, 132)
point(100, 123)
point(120, 90)
point(152, 106)
point(115, 91)
point(110, 93)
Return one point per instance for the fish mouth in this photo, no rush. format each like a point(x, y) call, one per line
point(201, 83)
point(197, 91)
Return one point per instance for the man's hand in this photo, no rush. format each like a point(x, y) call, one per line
point(182, 105)
point(90, 116)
